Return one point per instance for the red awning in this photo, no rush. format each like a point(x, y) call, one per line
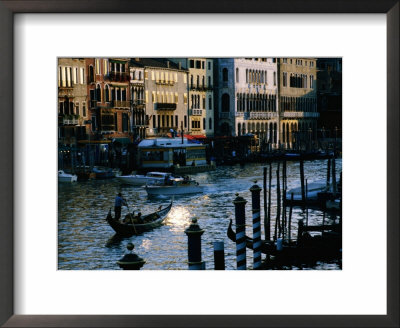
point(196, 137)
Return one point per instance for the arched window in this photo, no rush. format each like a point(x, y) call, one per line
point(225, 102)
point(209, 102)
point(239, 128)
point(107, 93)
point(91, 74)
point(210, 123)
point(98, 92)
point(283, 132)
point(225, 75)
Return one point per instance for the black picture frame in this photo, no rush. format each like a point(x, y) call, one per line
point(7, 10)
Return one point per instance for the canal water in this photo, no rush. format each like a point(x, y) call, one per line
point(87, 242)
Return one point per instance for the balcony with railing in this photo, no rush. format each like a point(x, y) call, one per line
point(165, 106)
point(138, 104)
point(199, 87)
point(68, 120)
point(164, 82)
point(196, 112)
point(300, 114)
point(121, 104)
point(119, 76)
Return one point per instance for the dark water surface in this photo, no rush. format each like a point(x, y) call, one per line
point(87, 242)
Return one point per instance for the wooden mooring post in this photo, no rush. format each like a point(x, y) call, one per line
point(303, 196)
point(268, 234)
point(278, 202)
point(240, 220)
point(290, 217)
point(328, 173)
point(266, 224)
point(255, 202)
point(219, 256)
point(194, 246)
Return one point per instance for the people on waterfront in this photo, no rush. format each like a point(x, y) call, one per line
point(119, 201)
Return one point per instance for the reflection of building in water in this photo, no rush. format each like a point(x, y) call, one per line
point(163, 153)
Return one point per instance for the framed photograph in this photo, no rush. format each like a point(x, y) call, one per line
point(122, 77)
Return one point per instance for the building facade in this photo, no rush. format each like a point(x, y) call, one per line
point(108, 85)
point(72, 100)
point(329, 92)
point(298, 102)
point(165, 96)
point(246, 98)
point(139, 119)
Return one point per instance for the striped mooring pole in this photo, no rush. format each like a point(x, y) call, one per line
point(194, 246)
point(240, 220)
point(219, 256)
point(255, 202)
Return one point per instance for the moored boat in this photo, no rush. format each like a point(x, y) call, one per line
point(129, 228)
point(104, 172)
point(66, 177)
point(175, 186)
point(313, 189)
point(141, 180)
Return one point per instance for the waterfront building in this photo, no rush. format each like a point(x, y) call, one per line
point(72, 100)
point(165, 96)
point(139, 119)
point(298, 102)
point(246, 98)
point(109, 98)
point(329, 92)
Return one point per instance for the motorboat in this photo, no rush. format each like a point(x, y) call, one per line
point(66, 177)
point(141, 180)
point(175, 186)
point(311, 191)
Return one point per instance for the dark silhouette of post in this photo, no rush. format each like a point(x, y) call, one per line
point(255, 202)
point(240, 220)
point(303, 196)
point(194, 246)
point(131, 261)
point(219, 256)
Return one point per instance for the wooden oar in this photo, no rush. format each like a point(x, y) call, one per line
point(129, 211)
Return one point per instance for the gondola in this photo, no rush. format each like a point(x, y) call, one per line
point(317, 247)
point(151, 221)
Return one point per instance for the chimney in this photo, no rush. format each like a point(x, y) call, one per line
point(168, 63)
point(180, 65)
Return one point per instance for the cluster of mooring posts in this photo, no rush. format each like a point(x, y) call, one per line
point(280, 249)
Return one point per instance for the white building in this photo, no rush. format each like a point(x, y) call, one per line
point(246, 98)
point(201, 95)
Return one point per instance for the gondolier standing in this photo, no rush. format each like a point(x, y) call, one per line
point(118, 204)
